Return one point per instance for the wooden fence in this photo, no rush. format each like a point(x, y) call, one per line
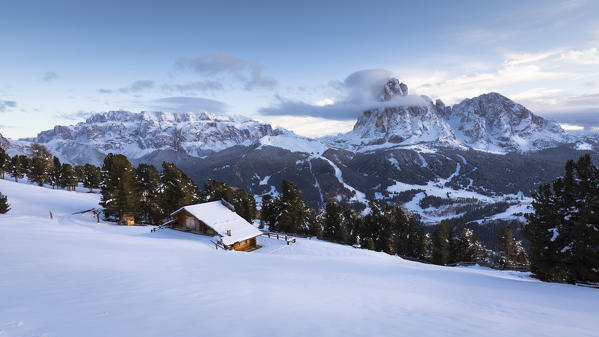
point(280, 236)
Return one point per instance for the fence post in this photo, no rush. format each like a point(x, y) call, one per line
point(277, 236)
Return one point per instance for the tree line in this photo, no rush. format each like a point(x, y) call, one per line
point(143, 192)
point(151, 195)
point(41, 168)
point(385, 227)
point(563, 231)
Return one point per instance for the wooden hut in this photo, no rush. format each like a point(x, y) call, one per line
point(127, 219)
point(217, 218)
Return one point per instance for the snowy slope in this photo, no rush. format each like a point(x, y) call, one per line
point(73, 277)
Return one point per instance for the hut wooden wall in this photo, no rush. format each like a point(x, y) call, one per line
point(245, 244)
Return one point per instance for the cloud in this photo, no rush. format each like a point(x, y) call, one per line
point(217, 63)
point(516, 70)
point(310, 126)
point(187, 104)
point(366, 85)
point(49, 76)
point(359, 92)
point(588, 120)
point(213, 63)
point(571, 127)
point(522, 58)
point(580, 110)
point(207, 85)
point(258, 81)
point(7, 105)
point(75, 115)
point(584, 56)
point(135, 87)
point(138, 86)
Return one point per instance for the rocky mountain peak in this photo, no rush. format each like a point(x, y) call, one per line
point(393, 88)
point(489, 122)
point(140, 134)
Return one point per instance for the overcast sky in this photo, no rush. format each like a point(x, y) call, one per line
point(282, 61)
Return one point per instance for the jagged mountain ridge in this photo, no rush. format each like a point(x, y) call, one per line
point(441, 162)
point(140, 134)
point(489, 122)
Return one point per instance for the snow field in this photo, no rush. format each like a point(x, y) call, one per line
point(71, 276)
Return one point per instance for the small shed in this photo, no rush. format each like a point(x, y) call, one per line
point(127, 219)
point(216, 218)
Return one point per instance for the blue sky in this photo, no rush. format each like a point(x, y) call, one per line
point(279, 62)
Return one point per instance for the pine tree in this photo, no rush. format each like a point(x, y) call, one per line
point(25, 163)
point(332, 221)
point(269, 212)
point(510, 251)
point(4, 162)
point(372, 225)
point(118, 187)
point(4, 206)
point(440, 244)
point(564, 229)
point(315, 221)
point(37, 150)
point(68, 178)
point(40, 170)
point(292, 209)
point(466, 247)
point(91, 176)
point(348, 231)
point(337, 223)
point(177, 190)
point(80, 173)
point(370, 244)
point(216, 190)
point(16, 168)
point(245, 205)
point(148, 183)
point(55, 172)
point(582, 234)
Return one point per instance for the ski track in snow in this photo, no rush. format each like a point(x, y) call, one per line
point(73, 277)
point(316, 183)
point(358, 196)
point(422, 160)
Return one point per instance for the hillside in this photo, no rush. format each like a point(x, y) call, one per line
point(60, 278)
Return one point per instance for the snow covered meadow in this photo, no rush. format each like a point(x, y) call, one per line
point(70, 276)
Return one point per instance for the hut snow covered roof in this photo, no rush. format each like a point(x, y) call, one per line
point(222, 220)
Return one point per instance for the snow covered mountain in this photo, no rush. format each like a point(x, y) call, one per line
point(140, 134)
point(490, 122)
point(479, 159)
